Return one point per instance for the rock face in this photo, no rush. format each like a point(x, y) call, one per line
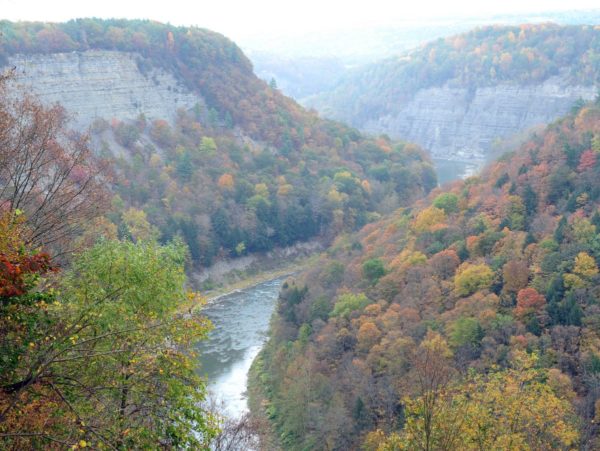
point(102, 84)
point(462, 124)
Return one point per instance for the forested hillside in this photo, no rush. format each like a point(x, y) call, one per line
point(461, 96)
point(485, 56)
point(355, 48)
point(249, 170)
point(468, 321)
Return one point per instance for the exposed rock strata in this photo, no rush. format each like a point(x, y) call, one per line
point(462, 124)
point(102, 84)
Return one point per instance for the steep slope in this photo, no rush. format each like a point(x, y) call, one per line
point(457, 96)
point(495, 271)
point(203, 149)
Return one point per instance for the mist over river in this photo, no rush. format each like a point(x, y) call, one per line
point(241, 321)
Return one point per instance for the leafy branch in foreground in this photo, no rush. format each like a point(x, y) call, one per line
point(101, 360)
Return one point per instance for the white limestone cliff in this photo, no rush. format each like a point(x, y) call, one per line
point(102, 84)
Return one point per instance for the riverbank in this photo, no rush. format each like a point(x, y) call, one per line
point(259, 405)
point(244, 280)
point(241, 308)
point(229, 275)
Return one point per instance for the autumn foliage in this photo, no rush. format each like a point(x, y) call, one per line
point(485, 56)
point(47, 172)
point(90, 356)
point(13, 274)
point(488, 304)
point(529, 301)
point(195, 175)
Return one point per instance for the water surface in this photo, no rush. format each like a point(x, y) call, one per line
point(241, 323)
point(449, 170)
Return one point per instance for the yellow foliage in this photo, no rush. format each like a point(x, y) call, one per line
point(155, 160)
point(335, 197)
point(585, 265)
point(400, 258)
point(471, 278)
point(138, 225)
point(585, 268)
point(583, 229)
point(507, 410)
point(436, 345)
point(573, 282)
point(428, 218)
point(284, 190)
point(261, 189)
point(561, 384)
point(374, 440)
point(416, 258)
point(12, 230)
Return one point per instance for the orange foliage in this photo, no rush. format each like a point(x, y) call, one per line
point(368, 335)
point(226, 182)
point(529, 301)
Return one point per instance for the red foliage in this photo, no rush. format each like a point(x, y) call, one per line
point(13, 274)
point(587, 160)
point(529, 301)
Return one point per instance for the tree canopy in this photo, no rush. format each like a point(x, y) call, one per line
point(480, 333)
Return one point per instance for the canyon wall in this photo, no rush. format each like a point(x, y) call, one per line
point(463, 124)
point(103, 84)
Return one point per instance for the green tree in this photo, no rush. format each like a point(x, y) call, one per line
point(447, 202)
point(208, 145)
point(466, 332)
point(530, 200)
point(348, 303)
point(112, 359)
point(373, 270)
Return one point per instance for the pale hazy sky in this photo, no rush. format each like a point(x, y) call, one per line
point(240, 19)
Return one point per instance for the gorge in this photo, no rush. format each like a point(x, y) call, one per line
point(461, 95)
point(479, 292)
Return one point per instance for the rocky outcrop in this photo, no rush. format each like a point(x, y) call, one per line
point(103, 84)
point(462, 124)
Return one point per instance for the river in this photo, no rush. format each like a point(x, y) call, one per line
point(449, 170)
point(241, 321)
